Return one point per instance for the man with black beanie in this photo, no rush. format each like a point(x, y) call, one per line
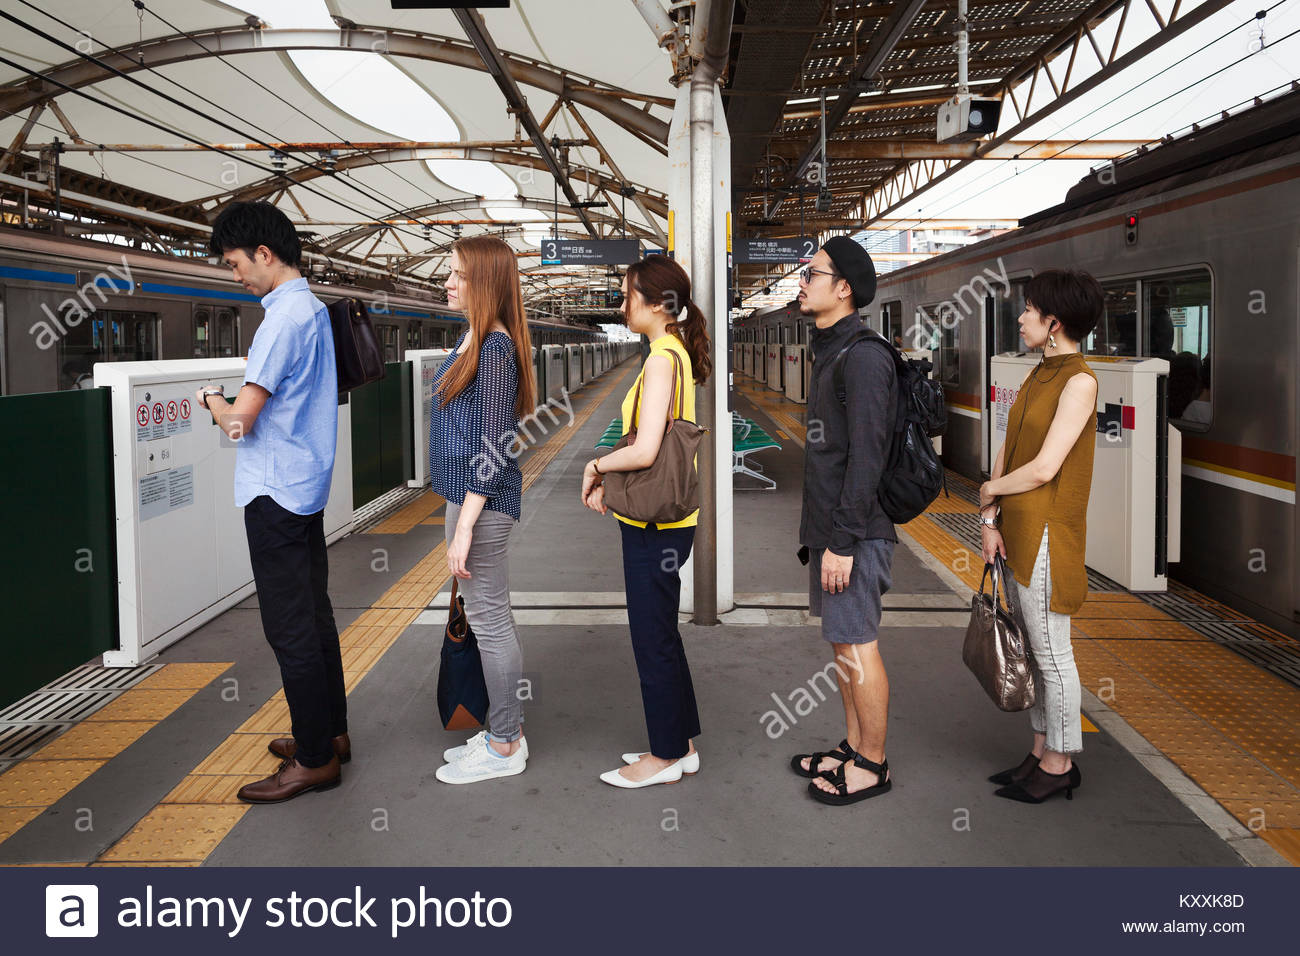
point(846, 536)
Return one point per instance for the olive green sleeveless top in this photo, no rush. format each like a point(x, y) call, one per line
point(1061, 505)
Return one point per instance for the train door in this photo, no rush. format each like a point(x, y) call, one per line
point(1001, 334)
point(4, 338)
point(214, 333)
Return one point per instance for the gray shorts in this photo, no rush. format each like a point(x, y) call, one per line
point(852, 616)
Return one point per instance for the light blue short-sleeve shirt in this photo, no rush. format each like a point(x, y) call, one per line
point(289, 454)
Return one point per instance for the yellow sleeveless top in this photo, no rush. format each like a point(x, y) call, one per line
point(683, 400)
point(1061, 505)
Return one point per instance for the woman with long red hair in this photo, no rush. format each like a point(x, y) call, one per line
point(483, 388)
point(657, 303)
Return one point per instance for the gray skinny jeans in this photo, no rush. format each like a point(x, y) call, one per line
point(487, 605)
point(1056, 710)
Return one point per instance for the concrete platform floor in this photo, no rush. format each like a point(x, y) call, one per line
point(745, 807)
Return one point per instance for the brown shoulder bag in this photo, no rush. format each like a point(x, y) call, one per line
point(668, 490)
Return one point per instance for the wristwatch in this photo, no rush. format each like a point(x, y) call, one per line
point(213, 390)
point(991, 522)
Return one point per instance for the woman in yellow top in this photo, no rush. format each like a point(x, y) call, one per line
point(657, 303)
point(1042, 478)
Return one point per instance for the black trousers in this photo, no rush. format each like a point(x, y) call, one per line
point(291, 572)
point(651, 559)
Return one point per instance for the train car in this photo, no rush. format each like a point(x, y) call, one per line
point(1195, 243)
point(66, 304)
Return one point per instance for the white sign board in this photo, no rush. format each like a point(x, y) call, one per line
point(182, 555)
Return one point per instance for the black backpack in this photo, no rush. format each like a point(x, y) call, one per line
point(358, 358)
point(913, 475)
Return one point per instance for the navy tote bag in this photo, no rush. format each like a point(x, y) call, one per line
point(462, 691)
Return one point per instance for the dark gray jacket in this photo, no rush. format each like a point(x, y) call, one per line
point(847, 444)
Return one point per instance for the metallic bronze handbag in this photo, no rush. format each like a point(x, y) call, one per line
point(668, 490)
point(995, 648)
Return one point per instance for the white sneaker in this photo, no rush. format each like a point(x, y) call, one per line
point(482, 763)
point(690, 763)
point(452, 754)
point(670, 774)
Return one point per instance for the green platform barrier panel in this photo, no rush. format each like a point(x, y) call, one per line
point(381, 434)
point(58, 552)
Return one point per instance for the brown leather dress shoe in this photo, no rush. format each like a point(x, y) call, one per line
point(291, 780)
point(286, 747)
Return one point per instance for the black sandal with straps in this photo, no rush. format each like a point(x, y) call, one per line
point(842, 753)
point(842, 797)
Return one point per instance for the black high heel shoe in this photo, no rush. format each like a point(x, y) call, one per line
point(1040, 785)
point(1015, 774)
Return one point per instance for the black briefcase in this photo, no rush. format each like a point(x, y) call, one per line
point(357, 355)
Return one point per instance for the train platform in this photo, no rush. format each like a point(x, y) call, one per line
point(1188, 761)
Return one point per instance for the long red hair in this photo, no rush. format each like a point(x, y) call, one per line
point(491, 292)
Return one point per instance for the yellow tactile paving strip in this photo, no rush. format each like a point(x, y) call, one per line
point(191, 820)
point(1226, 723)
point(410, 515)
point(30, 787)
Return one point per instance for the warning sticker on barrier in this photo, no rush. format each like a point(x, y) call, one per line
point(166, 491)
point(162, 415)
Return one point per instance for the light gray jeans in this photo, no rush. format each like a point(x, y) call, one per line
point(487, 605)
point(1056, 709)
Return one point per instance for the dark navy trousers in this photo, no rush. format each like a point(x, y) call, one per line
point(291, 572)
point(651, 560)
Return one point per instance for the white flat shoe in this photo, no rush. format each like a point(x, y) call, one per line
point(690, 763)
point(670, 774)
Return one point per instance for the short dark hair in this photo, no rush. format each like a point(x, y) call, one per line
point(1073, 296)
point(247, 225)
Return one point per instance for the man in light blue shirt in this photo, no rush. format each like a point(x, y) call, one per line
point(285, 420)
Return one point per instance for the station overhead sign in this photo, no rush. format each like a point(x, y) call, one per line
point(590, 252)
point(774, 251)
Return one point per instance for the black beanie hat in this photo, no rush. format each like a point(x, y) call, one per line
point(853, 263)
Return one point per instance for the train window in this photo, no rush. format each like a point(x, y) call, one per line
point(926, 329)
point(202, 331)
point(949, 370)
point(413, 335)
point(226, 341)
point(1006, 322)
point(891, 321)
point(79, 350)
point(388, 341)
point(133, 336)
point(1176, 327)
point(1116, 333)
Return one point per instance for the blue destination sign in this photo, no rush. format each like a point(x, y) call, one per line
point(774, 251)
point(590, 252)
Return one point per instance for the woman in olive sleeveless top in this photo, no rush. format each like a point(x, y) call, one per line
point(1038, 495)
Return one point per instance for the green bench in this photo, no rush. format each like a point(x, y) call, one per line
point(747, 438)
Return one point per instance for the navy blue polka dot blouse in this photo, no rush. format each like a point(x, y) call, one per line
point(471, 440)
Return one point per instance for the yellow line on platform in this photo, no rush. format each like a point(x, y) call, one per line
point(36, 783)
point(192, 820)
point(1225, 722)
